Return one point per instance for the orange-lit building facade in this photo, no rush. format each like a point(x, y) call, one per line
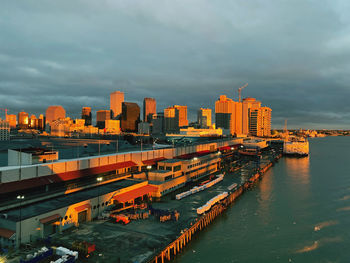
point(149, 108)
point(171, 120)
point(260, 121)
point(101, 117)
point(54, 113)
point(182, 115)
point(116, 100)
point(247, 104)
point(23, 120)
point(12, 120)
point(130, 117)
point(225, 113)
point(204, 118)
point(86, 115)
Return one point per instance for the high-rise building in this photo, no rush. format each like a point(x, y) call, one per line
point(101, 117)
point(182, 115)
point(130, 117)
point(116, 100)
point(171, 120)
point(33, 122)
point(224, 114)
point(12, 120)
point(86, 115)
point(204, 118)
point(247, 104)
point(158, 123)
point(54, 113)
point(41, 122)
point(4, 130)
point(260, 121)
point(23, 120)
point(149, 108)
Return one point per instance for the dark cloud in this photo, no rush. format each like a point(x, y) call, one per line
point(294, 55)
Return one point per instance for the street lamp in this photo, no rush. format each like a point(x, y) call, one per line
point(195, 159)
point(149, 167)
point(20, 198)
point(99, 179)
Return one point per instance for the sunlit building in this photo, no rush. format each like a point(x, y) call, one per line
point(112, 126)
point(149, 108)
point(171, 120)
point(260, 121)
point(182, 115)
point(41, 122)
point(204, 118)
point(116, 100)
point(12, 120)
point(54, 113)
point(86, 115)
point(23, 120)
point(130, 117)
point(247, 104)
point(101, 117)
point(33, 122)
point(224, 114)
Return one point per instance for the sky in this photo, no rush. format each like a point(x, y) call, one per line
point(294, 54)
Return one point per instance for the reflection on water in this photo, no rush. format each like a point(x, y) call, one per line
point(265, 187)
point(319, 226)
point(299, 169)
point(318, 243)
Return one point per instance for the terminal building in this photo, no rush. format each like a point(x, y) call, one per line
point(42, 199)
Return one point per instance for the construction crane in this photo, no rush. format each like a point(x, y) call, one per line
point(240, 89)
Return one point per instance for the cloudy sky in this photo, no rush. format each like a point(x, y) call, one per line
point(295, 55)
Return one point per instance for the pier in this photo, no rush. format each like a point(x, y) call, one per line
point(171, 250)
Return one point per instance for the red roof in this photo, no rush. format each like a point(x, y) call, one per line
point(67, 176)
point(192, 155)
point(153, 161)
point(133, 194)
point(6, 233)
point(225, 148)
point(82, 207)
point(48, 219)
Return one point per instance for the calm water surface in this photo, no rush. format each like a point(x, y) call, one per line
point(298, 212)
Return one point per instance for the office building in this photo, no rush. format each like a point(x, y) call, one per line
point(158, 123)
point(260, 121)
point(12, 120)
point(112, 126)
point(101, 117)
point(23, 120)
point(54, 113)
point(144, 128)
point(33, 122)
point(149, 108)
point(171, 120)
point(86, 115)
point(247, 104)
point(4, 130)
point(182, 115)
point(224, 114)
point(41, 122)
point(130, 117)
point(204, 118)
point(116, 100)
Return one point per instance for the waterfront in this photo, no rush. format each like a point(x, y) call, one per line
point(298, 212)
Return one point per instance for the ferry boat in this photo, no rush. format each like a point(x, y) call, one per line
point(297, 146)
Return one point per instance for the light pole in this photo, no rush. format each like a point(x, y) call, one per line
point(149, 167)
point(99, 179)
point(20, 198)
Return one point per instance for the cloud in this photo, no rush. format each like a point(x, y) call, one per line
point(294, 55)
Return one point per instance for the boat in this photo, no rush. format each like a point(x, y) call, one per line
point(232, 186)
point(296, 146)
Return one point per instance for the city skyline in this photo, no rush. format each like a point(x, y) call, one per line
point(49, 56)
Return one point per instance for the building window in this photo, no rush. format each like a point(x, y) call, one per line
point(168, 168)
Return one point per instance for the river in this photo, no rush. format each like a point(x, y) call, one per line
point(298, 212)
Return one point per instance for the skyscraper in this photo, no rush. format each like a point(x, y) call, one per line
point(149, 108)
point(182, 115)
point(260, 121)
point(171, 120)
point(86, 115)
point(247, 104)
point(23, 120)
point(158, 123)
point(130, 117)
point(54, 113)
point(224, 114)
point(12, 120)
point(116, 100)
point(204, 118)
point(101, 117)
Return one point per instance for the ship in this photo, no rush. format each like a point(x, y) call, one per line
point(297, 146)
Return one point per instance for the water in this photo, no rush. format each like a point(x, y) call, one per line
point(298, 212)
